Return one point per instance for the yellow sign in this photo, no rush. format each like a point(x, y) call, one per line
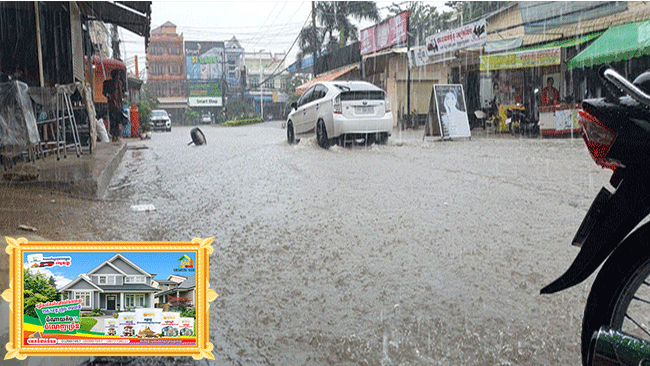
point(275, 96)
point(520, 60)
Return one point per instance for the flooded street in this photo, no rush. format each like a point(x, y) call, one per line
point(407, 253)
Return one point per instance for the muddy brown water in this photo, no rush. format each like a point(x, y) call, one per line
point(400, 254)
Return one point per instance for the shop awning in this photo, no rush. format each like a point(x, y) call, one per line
point(132, 15)
point(568, 42)
point(327, 77)
point(620, 43)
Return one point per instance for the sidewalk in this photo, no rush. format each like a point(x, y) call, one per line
point(87, 175)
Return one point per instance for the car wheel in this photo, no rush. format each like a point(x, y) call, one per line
point(321, 135)
point(382, 138)
point(291, 137)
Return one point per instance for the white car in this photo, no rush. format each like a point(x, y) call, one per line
point(160, 120)
point(340, 111)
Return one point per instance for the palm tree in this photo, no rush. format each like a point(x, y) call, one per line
point(335, 28)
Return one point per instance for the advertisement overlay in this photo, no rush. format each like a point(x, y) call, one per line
point(109, 298)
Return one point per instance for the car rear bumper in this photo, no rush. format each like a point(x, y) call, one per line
point(344, 125)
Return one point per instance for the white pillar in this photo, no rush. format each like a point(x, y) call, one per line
point(121, 300)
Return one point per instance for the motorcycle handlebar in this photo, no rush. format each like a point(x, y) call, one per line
point(627, 87)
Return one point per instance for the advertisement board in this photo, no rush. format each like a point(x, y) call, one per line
point(389, 33)
point(469, 35)
point(102, 298)
point(523, 59)
point(448, 107)
point(204, 60)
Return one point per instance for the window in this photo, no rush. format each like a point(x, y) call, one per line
point(106, 280)
point(134, 300)
point(254, 81)
point(102, 280)
point(135, 279)
point(85, 296)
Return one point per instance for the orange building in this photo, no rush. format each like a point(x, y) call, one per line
point(166, 70)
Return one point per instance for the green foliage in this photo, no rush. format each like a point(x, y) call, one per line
point(116, 314)
point(147, 104)
point(240, 122)
point(190, 117)
point(97, 312)
point(37, 289)
point(239, 109)
point(189, 313)
point(87, 323)
point(334, 28)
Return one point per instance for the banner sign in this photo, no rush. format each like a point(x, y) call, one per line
point(469, 35)
point(448, 107)
point(205, 102)
point(520, 60)
point(204, 60)
point(390, 32)
point(104, 298)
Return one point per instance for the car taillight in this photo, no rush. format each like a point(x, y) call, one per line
point(599, 139)
point(387, 105)
point(336, 105)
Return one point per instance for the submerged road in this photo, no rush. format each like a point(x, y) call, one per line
point(408, 253)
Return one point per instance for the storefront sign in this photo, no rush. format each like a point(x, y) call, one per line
point(205, 102)
point(386, 34)
point(520, 60)
point(60, 291)
point(469, 35)
point(451, 111)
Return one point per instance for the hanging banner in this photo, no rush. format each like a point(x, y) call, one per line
point(469, 35)
point(204, 60)
point(389, 33)
point(520, 60)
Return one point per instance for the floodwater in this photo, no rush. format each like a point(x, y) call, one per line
point(408, 253)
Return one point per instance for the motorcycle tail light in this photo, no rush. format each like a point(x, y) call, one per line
point(599, 139)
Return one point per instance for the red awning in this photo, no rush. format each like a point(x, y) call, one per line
point(334, 75)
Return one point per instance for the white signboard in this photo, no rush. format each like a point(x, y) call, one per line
point(469, 35)
point(451, 111)
point(205, 102)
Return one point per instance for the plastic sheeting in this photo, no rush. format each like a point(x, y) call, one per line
point(18, 130)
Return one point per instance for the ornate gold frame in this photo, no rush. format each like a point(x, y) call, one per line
point(14, 295)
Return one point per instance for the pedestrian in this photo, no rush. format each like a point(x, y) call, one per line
point(550, 96)
point(113, 89)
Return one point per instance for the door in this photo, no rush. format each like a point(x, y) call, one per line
point(299, 117)
point(110, 302)
point(313, 107)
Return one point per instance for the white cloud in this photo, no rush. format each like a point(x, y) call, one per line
point(59, 280)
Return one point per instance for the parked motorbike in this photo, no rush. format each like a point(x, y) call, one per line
point(616, 130)
point(520, 124)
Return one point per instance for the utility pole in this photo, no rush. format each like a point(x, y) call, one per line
point(408, 73)
point(314, 37)
point(115, 43)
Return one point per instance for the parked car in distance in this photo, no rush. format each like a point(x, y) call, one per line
point(160, 120)
point(206, 118)
point(339, 112)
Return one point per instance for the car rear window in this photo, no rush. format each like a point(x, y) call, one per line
point(362, 95)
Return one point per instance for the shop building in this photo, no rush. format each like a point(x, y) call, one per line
point(166, 70)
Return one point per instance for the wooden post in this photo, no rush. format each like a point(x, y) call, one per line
point(38, 41)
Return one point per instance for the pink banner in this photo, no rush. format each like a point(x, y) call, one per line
point(386, 34)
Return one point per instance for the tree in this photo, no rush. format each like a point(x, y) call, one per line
point(180, 302)
point(473, 10)
point(334, 27)
point(424, 20)
point(37, 290)
point(148, 102)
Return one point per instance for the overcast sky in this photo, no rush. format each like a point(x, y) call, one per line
point(267, 25)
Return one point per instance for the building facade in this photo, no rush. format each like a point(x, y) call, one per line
point(166, 70)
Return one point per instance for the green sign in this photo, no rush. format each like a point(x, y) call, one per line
point(520, 60)
point(205, 90)
point(59, 317)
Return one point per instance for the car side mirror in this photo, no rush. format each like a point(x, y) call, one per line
point(294, 105)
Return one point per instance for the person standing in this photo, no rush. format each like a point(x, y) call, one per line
point(550, 96)
point(113, 89)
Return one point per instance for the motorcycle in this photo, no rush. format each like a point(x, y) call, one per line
point(616, 130)
point(519, 124)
